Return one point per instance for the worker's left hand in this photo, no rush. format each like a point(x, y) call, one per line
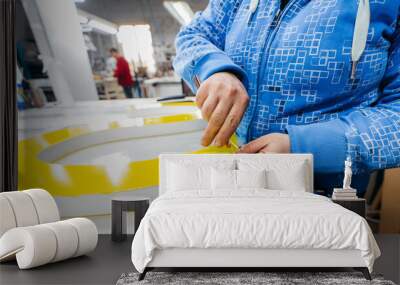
point(275, 142)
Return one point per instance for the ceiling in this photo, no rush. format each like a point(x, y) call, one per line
point(123, 12)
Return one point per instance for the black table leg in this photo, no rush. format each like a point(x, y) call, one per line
point(118, 209)
point(118, 224)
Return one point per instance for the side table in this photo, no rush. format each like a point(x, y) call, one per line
point(121, 204)
point(356, 205)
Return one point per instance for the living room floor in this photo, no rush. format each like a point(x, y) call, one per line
point(110, 259)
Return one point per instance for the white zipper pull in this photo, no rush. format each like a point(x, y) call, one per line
point(360, 34)
point(252, 8)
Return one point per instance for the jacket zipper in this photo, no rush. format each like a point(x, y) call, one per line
point(273, 28)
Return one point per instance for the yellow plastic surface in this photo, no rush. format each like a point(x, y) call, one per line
point(75, 180)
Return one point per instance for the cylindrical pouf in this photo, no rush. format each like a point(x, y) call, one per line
point(7, 218)
point(87, 234)
point(33, 246)
point(23, 208)
point(45, 205)
point(67, 240)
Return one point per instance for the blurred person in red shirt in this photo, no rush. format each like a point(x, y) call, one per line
point(122, 72)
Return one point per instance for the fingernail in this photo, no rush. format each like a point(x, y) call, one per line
point(218, 144)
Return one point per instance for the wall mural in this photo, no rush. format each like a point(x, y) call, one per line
point(82, 137)
point(84, 160)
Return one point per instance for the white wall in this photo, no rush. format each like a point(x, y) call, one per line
point(57, 32)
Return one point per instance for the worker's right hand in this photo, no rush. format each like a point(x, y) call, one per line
point(222, 99)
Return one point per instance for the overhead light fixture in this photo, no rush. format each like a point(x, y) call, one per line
point(91, 22)
point(83, 19)
point(86, 28)
point(102, 26)
point(180, 10)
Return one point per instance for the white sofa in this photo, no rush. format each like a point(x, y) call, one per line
point(31, 231)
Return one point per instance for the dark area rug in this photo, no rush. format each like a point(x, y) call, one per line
point(233, 278)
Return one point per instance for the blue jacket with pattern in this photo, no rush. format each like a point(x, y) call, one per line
point(296, 68)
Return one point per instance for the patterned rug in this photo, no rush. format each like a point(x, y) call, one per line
point(243, 278)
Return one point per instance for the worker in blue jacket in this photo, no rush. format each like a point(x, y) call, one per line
point(300, 76)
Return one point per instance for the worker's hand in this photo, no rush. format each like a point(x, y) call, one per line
point(275, 142)
point(222, 99)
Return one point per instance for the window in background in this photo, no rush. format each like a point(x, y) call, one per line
point(137, 45)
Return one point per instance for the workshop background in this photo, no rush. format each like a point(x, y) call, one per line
point(82, 139)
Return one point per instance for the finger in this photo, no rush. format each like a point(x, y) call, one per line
point(208, 107)
point(272, 148)
point(216, 121)
point(255, 146)
point(201, 95)
point(231, 123)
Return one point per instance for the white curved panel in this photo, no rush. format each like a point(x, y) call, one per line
point(40, 244)
point(24, 210)
point(67, 239)
point(45, 205)
point(7, 218)
point(33, 246)
point(87, 234)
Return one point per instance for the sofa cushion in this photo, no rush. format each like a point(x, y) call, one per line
point(23, 208)
point(46, 207)
point(7, 215)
